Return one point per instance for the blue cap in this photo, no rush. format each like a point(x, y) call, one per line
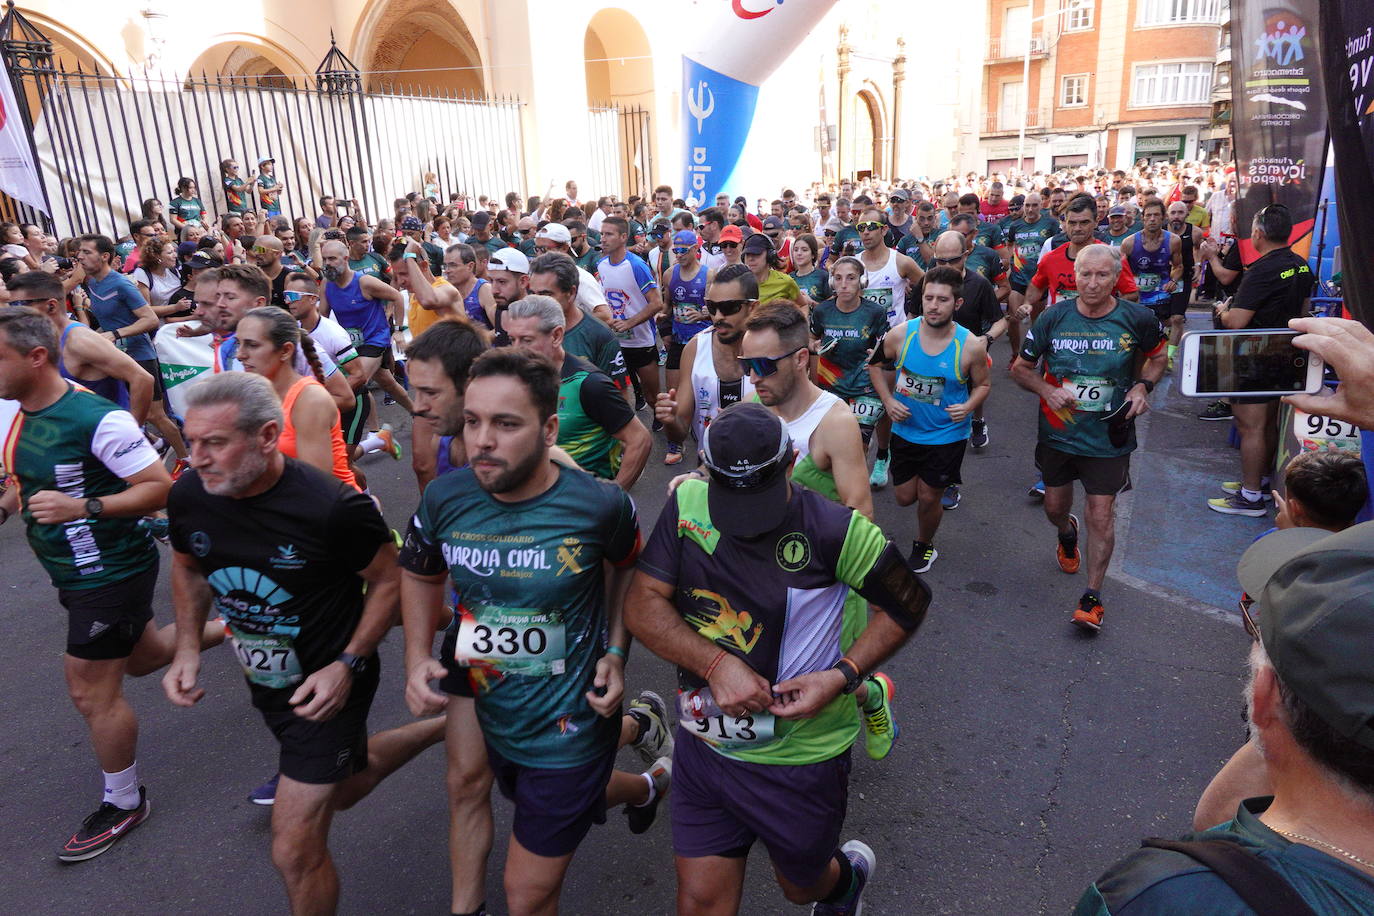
point(684, 237)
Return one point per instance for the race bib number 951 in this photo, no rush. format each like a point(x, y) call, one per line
point(1321, 434)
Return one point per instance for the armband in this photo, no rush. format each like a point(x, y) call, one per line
point(896, 590)
point(419, 555)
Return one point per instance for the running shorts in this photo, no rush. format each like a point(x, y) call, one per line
point(1100, 476)
point(937, 465)
point(107, 622)
point(554, 808)
point(323, 753)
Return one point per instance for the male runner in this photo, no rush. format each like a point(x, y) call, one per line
point(742, 586)
point(1055, 273)
point(1103, 355)
point(919, 243)
point(1025, 236)
point(1191, 238)
point(980, 258)
point(509, 273)
point(361, 258)
point(846, 329)
point(1118, 227)
point(591, 298)
point(714, 371)
point(684, 284)
point(932, 374)
point(1156, 258)
point(596, 427)
point(889, 274)
point(538, 555)
point(283, 552)
point(84, 477)
point(556, 275)
point(634, 298)
point(988, 234)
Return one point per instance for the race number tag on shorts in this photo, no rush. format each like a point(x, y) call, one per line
point(268, 659)
point(513, 640)
point(752, 730)
point(928, 389)
point(1324, 434)
point(867, 410)
point(355, 336)
point(1090, 392)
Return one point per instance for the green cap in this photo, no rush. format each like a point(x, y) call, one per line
point(1317, 626)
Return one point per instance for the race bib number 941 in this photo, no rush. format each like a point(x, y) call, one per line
point(513, 640)
point(928, 389)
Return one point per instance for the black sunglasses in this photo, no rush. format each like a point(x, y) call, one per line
point(1251, 625)
point(763, 366)
point(729, 244)
point(954, 260)
point(726, 307)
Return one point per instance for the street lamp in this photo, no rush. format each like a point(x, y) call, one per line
point(1071, 6)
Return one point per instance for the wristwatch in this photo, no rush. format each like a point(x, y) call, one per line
point(94, 507)
point(852, 677)
point(356, 664)
point(1149, 385)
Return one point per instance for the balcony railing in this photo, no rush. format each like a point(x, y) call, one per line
point(1006, 48)
point(1002, 122)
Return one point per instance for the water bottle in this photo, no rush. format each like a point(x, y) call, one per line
point(695, 705)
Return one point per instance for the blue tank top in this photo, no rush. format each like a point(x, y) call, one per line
point(473, 305)
point(926, 385)
point(1152, 268)
point(687, 294)
point(442, 463)
point(111, 389)
point(364, 319)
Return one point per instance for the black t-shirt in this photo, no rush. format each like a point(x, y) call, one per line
point(1275, 288)
point(980, 309)
point(283, 567)
point(1231, 261)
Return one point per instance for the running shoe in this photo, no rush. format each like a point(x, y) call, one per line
point(656, 426)
point(641, 817)
point(923, 556)
point(1217, 410)
point(181, 467)
point(674, 453)
point(864, 863)
point(1237, 504)
point(1089, 612)
point(880, 728)
point(951, 498)
point(388, 400)
point(878, 479)
point(640, 403)
point(157, 526)
point(655, 733)
point(106, 826)
point(266, 794)
point(1066, 551)
point(1233, 486)
point(979, 437)
point(392, 447)
point(1037, 489)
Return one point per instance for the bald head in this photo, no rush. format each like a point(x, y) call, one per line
point(949, 244)
point(334, 247)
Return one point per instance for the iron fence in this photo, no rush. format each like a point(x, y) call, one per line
point(622, 160)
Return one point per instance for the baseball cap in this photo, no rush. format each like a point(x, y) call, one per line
point(772, 222)
point(510, 259)
point(1315, 621)
point(757, 242)
point(1019, 200)
point(747, 452)
point(202, 259)
point(480, 219)
point(899, 194)
point(684, 237)
point(267, 158)
point(412, 224)
point(1117, 211)
point(731, 234)
point(186, 249)
point(556, 232)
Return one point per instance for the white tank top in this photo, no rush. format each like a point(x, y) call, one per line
point(887, 287)
point(712, 396)
point(804, 427)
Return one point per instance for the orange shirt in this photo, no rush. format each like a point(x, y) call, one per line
point(286, 442)
point(420, 318)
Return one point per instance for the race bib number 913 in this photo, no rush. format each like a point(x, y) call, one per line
point(753, 730)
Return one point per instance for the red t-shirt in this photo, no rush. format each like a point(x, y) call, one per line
point(990, 213)
point(1054, 274)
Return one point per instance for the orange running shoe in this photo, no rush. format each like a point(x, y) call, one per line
point(1089, 612)
point(1067, 551)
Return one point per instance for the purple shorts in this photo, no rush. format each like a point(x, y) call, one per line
point(554, 808)
point(720, 806)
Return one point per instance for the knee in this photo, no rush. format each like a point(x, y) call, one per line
point(295, 853)
point(526, 897)
point(91, 701)
point(469, 787)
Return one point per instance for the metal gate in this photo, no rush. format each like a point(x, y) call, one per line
point(622, 150)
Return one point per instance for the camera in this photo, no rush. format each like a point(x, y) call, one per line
point(64, 263)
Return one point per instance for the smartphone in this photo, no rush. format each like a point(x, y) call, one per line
point(1247, 363)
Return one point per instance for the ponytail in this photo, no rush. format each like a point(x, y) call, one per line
point(312, 356)
point(282, 330)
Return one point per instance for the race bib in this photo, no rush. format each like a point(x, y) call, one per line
point(268, 659)
point(1091, 393)
point(1148, 283)
point(753, 730)
point(1324, 434)
point(355, 336)
point(928, 389)
point(867, 410)
point(513, 640)
point(883, 297)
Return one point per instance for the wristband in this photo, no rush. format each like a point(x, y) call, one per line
point(117, 335)
point(710, 669)
point(1149, 385)
point(618, 652)
point(409, 255)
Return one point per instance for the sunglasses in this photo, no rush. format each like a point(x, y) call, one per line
point(954, 260)
point(1251, 625)
point(729, 244)
point(294, 295)
point(763, 366)
point(754, 475)
point(869, 226)
point(726, 307)
point(681, 250)
point(262, 249)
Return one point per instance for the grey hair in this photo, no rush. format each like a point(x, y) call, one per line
point(1111, 255)
point(26, 329)
point(545, 308)
point(258, 404)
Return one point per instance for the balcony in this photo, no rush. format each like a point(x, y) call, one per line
point(1002, 49)
point(998, 122)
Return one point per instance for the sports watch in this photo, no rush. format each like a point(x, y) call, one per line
point(356, 664)
point(94, 507)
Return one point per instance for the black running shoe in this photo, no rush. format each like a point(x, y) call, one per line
point(641, 817)
point(1217, 410)
point(107, 826)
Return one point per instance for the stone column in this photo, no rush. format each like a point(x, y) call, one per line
point(898, 81)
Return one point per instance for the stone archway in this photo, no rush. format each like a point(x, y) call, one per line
point(421, 44)
point(262, 64)
point(869, 135)
point(619, 69)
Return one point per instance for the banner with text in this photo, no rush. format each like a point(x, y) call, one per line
point(1279, 114)
point(1348, 58)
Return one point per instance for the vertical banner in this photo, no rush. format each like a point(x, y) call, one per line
point(739, 48)
point(18, 176)
point(1348, 59)
point(1278, 120)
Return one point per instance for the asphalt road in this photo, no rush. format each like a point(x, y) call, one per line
point(1031, 755)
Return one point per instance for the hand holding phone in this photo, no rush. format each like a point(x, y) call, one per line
point(1259, 362)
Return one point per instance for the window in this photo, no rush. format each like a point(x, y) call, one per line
point(1179, 12)
point(1180, 83)
point(1073, 91)
point(1078, 14)
point(1012, 107)
point(1016, 28)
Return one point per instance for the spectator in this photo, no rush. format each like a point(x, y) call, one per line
point(156, 275)
point(1348, 347)
point(186, 208)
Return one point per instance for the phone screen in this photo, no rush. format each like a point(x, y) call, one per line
point(1250, 362)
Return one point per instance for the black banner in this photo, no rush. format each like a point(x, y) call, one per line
point(1278, 119)
point(1347, 34)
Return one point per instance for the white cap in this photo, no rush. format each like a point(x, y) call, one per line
point(556, 232)
point(267, 158)
point(509, 259)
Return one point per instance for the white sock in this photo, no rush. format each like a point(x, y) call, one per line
point(653, 791)
point(1252, 495)
point(121, 789)
point(373, 443)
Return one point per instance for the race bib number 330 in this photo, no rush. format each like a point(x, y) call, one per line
point(513, 640)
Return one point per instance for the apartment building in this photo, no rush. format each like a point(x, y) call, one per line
point(1100, 83)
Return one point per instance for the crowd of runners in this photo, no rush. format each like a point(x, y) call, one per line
point(792, 357)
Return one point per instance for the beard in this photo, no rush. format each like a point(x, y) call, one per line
point(510, 476)
point(249, 469)
point(331, 273)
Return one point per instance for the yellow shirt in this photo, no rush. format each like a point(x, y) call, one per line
point(1199, 217)
point(420, 318)
point(778, 286)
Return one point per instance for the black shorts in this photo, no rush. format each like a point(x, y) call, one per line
point(1178, 302)
point(107, 622)
point(354, 422)
point(637, 358)
point(373, 351)
point(1100, 476)
point(675, 348)
point(323, 753)
point(153, 368)
point(554, 808)
point(1018, 287)
point(936, 465)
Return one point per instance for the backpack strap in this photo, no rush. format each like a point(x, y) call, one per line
point(1264, 890)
